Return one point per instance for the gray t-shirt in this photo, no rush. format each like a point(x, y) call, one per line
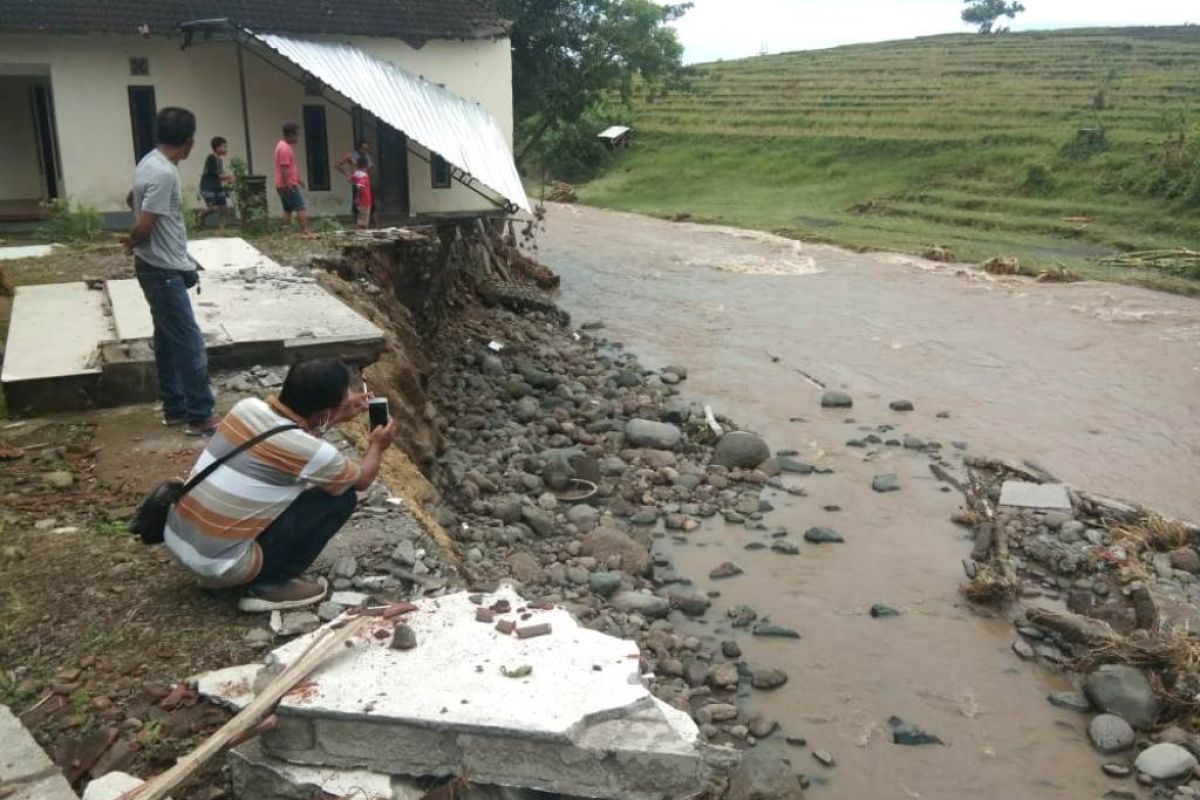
point(156, 189)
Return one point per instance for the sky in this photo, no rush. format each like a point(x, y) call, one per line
point(738, 28)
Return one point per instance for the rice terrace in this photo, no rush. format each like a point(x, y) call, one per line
point(1054, 148)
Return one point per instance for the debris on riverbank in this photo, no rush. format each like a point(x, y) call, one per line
point(1106, 590)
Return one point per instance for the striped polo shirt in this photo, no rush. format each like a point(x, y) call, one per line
point(212, 530)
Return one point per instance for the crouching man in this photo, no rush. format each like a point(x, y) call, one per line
point(262, 517)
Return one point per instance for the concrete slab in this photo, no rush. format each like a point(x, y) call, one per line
point(27, 251)
point(228, 254)
point(26, 772)
point(1038, 496)
point(258, 776)
point(578, 721)
point(54, 332)
point(71, 347)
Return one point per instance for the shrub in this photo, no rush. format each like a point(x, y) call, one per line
point(82, 223)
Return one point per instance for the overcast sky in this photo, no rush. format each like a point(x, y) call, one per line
point(737, 28)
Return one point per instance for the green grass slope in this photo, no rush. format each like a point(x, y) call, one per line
point(1054, 147)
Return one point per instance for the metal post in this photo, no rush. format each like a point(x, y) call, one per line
point(245, 109)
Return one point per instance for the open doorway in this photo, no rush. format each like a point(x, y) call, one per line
point(30, 172)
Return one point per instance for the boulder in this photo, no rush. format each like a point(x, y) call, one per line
point(741, 449)
point(648, 605)
point(763, 777)
point(836, 399)
point(656, 435)
point(822, 535)
point(1110, 734)
point(525, 567)
point(1186, 559)
point(608, 541)
point(692, 602)
point(1165, 761)
point(1125, 691)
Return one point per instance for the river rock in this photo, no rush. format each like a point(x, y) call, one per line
point(820, 535)
point(539, 521)
point(678, 370)
point(901, 405)
point(1071, 701)
point(795, 466)
point(648, 605)
point(741, 449)
point(880, 611)
point(690, 601)
point(344, 567)
point(1165, 761)
point(888, 482)
point(835, 399)
point(725, 570)
point(761, 727)
point(785, 547)
point(731, 649)
point(1123, 690)
point(527, 409)
point(768, 678)
point(583, 517)
point(763, 777)
point(525, 567)
point(1110, 734)
point(604, 583)
point(1186, 559)
point(906, 733)
point(769, 629)
point(607, 541)
point(722, 675)
point(647, 433)
point(677, 410)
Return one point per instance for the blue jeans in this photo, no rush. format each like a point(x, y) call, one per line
point(179, 357)
point(293, 541)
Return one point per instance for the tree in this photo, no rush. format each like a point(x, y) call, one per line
point(569, 55)
point(984, 13)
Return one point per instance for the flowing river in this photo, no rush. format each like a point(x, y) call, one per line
point(1100, 384)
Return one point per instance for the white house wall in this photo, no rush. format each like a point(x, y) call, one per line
point(90, 75)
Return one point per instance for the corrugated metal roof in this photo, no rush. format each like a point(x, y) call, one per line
point(460, 131)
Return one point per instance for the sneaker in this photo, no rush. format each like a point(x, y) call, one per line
point(296, 593)
point(173, 422)
point(206, 428)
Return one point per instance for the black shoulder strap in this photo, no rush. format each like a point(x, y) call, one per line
point(241, 448)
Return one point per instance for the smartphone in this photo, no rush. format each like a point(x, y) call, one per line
point(377, 412)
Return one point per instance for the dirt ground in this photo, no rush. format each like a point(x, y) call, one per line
point(97, 631)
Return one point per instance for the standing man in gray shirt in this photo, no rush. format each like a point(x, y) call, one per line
point(158, 243)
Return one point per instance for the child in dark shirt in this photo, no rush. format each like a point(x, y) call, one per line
point(212, 183)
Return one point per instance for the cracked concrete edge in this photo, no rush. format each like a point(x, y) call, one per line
point(26, 772)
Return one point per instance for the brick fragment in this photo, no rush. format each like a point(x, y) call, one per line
point(506, 626)
point(530, 631)
point(484, 614)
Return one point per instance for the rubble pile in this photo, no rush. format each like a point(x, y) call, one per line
point(1108, 591)
point(486, 685)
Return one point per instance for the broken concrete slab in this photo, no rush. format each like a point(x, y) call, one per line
point(26, 772)
point(258, 776)
point(112, 786)
point(27, 251)
point(1039, 496)
point(52, 342)
point(251, 311)
point(578, 721)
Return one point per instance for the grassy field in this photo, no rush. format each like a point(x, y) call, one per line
point(1054, 148)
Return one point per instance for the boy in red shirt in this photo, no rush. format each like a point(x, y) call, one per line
point(360, 179)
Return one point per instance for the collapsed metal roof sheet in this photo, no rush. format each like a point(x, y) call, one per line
point(461, 132)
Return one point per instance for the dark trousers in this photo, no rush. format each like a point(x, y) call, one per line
point(179, 357)
point(293, 541)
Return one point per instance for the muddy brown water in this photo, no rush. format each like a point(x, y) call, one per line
point(1098, 383)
